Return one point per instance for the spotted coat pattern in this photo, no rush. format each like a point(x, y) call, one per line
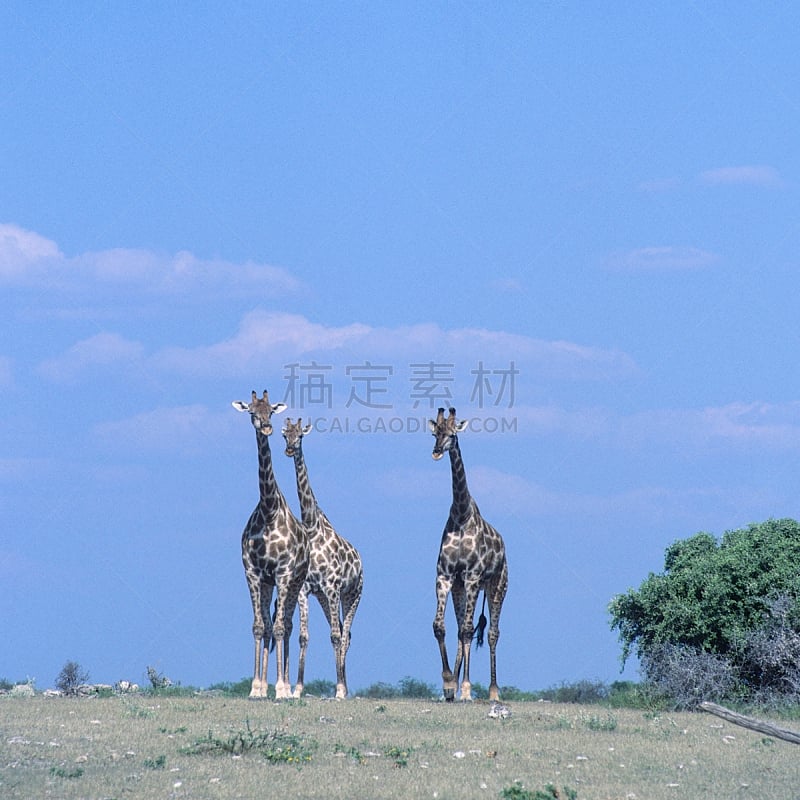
point(472, 558)
point(335, 575)
point(275, 555)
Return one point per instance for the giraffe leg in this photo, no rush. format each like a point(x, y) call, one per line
point(496, 597)
point(443, 586)
point(302, 602)
point(292, 597)
point(331, 608)
point(459, 606)
point(282, 688)
point(466, 630)
point(262, 628)
point(350, 603)
point(258, 686)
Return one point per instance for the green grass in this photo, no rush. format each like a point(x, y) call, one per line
point(224, 747)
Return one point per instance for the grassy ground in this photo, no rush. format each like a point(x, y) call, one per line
point(215, 747)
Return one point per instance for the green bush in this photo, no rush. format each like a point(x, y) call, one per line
point(710, 594)
point(722, 619)
point(320, 688)
point(239, 689)
point(379, 691)
point(583, 692)
point(411, 687)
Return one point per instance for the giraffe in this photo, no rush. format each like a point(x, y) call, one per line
point(472, 558)
point(274, 554)
point(335, 576)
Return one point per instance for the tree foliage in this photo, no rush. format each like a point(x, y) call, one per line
point(711, 594)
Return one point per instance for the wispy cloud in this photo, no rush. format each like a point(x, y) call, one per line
point(770, 426)
point(182, 429)
point(24, 255)
point(661, 259)
point(500, 491)
point(272, 339)
point(267, 341)
point(773, 426)
point(757, 175)
point(28, 259)
point(106, 350)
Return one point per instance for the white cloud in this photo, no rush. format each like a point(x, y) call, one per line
point(23, 253)
point(499, 492)
point(183, 429)
point(758, 175)
point(771, 426)
point(267, 340)
point(104, 350)
point(184, 273)
point(774, 426)
point(264, 341)
point(27, 258)
point(661, 259)
point(581, 423)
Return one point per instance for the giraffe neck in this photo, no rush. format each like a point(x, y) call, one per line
point(308, 503)
point(271, 499)
point(461, 496)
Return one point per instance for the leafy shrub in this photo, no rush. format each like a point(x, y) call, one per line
point(63, 772)
point(512, 693)
point(583, 692)
point(550, 792)
point(407, 687)
point(238, 689)
point(413, 688)
point(320, 688)
point(274, 746)
point(723, 619)
point(399, 755)
point(72, 676)
point(710, 592)
point(627, 694)
point(606, 723)
point(379, 691)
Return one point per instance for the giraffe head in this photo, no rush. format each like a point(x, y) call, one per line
point(294, 432)
point(444, 430)
point(260, 411)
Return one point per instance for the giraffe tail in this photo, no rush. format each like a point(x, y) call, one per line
point(479, 631)
point(274, 616)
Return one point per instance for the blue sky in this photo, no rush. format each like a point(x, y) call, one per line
point(408, 202)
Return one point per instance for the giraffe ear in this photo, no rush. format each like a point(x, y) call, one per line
point(431, 426)
point(240, 406)
point(461, 425)
point(278, 407)
point(308, 428)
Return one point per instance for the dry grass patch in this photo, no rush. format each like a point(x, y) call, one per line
point(215, 747)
